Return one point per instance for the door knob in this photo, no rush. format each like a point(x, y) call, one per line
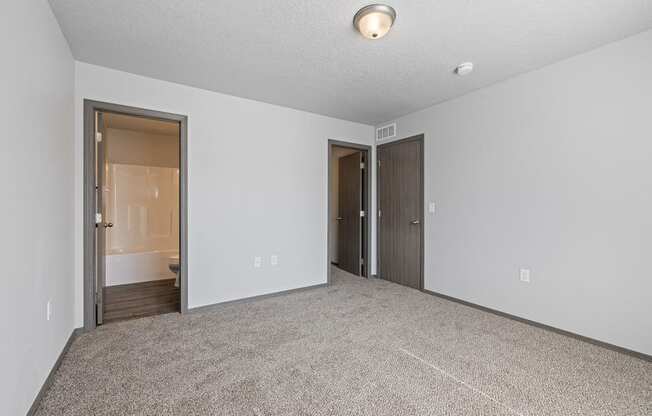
point(414, 222)
point(108, 224)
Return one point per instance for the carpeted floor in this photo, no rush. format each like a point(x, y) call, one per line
point(358, 347)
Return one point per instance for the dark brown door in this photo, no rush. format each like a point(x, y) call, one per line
point(400, 211)
point(349, 232)
point(101, 223)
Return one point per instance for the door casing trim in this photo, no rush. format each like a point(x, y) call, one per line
point(366, 149)
point(416, 138)
point(90, 106)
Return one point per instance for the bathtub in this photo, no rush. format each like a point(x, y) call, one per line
point(145, 266)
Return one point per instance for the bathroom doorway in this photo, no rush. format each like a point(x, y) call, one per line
point(136, 213)
point(349, 199)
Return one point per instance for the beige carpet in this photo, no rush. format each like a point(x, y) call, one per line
point(359, 347)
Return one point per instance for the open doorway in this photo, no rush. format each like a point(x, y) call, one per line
point(349, 198)
point(136, 213)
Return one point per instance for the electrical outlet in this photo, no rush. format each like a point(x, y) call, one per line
point(258, 262)
point(273, 260)
point(525, 275)
point(48, 308)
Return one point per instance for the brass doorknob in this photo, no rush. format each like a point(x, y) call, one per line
point(415, 222)
point(108, 224)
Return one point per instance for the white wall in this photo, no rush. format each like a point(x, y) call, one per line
point(36, 242)
point(551, 171)
point(257, 184)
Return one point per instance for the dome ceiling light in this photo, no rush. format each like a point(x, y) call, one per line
point(374, 21)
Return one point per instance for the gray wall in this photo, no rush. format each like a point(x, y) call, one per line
point(257, 184)
point(36, 242)
point(551, 171)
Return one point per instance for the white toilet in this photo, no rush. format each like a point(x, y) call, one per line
point(173, 265)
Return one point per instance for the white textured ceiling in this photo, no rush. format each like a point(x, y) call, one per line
point(305, 54)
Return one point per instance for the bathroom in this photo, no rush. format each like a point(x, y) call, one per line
point(140, 210)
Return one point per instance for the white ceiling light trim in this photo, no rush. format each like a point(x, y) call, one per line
point(374, 21)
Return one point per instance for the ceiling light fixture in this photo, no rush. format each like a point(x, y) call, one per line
point(374, 21)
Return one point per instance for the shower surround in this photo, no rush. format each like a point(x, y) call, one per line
point(143, 204)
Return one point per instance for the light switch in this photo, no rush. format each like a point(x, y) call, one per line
point(258, 262)
point(431, 207)
point(273, 260)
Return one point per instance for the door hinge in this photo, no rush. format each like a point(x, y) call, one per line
point(362, 261)
point(380, 213)
point(379, 163)
point(98, 218)
point(362, 213)
point(361, 165)
point(98, 137)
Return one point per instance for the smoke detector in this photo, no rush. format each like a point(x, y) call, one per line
point(464, 69)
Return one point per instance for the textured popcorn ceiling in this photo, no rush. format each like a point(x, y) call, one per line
point(305, 54)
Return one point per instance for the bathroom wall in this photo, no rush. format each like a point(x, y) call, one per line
point(37, 160)
point(133, 147)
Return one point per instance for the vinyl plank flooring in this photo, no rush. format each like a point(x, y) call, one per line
point(140, 299)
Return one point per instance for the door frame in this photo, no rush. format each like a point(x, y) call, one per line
point(366, 150)
point(90, 107)
point(416, 138)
